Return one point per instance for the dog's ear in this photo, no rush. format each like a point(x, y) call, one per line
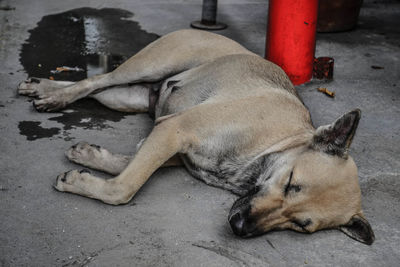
point(359, 229)
point(335, 138)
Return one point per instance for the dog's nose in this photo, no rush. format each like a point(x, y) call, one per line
point(237, 224)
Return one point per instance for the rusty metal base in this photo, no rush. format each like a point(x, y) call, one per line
point(210, 27)
point(323, 68)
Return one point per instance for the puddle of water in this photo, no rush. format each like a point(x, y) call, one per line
point(95, 40)
point(32, 130)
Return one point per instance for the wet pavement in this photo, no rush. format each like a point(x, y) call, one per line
point(92, 41)
point(176, 220)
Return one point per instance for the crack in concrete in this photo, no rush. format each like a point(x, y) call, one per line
point(277, 251)
point(89, 257)
point(270, 243)
point(239, 257)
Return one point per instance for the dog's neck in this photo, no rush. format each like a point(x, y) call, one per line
point(267, 164)
point(259, 168)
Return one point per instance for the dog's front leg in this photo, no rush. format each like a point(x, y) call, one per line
point(99, 158)
point(165, 140)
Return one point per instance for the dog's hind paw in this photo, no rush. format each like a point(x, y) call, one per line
point(38, 87)
point(47, 93)
point(49, 103)
point(30, 87)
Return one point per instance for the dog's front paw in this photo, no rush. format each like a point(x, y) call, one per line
point(66, 182)
point(85, 154)
point(85, 184)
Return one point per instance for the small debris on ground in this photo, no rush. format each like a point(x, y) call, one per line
point(65, 68)
point(326, 91)
point(7, 8)
point(377, 67)
point(2, 188)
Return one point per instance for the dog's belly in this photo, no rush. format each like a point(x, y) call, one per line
point(182, 92)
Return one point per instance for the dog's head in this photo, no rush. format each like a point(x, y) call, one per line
point(310, 188)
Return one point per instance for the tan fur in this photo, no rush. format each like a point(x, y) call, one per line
point(228, 114)
point(329, 201)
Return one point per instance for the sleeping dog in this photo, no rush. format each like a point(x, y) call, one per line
point(234, 120)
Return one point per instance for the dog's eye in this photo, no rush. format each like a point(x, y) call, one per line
point(291, 187)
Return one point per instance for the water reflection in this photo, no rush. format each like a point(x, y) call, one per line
point(95, 40)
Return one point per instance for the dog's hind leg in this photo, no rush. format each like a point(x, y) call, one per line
point(57, 99)
point(166, 140)
point(169, 55)
point(39, 86)
point(125, 98)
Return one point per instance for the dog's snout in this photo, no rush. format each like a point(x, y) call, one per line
point(239, 219)
point(237, 224)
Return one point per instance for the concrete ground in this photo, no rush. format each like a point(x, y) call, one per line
point(176, 220)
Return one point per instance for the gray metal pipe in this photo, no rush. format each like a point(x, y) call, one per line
point(209, 17)
point(209, 12)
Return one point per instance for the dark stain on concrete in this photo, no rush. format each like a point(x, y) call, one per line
point(95, 40)
point(87, 114)
point(32, 130)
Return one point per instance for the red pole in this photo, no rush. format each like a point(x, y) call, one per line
point(291, 37)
